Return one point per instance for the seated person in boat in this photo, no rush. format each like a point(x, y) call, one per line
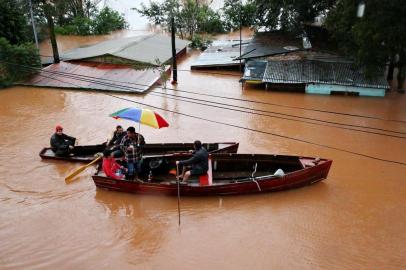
point(62, 144)
point(132, 146)
point(198, 164)
point(118, 135)
point(114, 142)
point(110, 166)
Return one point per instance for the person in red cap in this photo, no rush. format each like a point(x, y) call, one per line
point(62, 144)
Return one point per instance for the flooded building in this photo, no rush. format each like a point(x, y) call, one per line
point(130, 65)
point(279, 65)
point(220, 54)
point(142, 51)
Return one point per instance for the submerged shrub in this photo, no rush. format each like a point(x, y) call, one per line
point(200, 42)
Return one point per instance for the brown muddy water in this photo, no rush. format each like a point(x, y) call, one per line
point(353, 220)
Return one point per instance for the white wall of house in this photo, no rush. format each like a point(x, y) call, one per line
point(326, 89)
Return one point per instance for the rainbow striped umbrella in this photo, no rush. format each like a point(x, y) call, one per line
point(142, 116)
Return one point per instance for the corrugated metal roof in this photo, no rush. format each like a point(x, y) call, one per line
point(103, 77)
point(220, 53)
point(145, 48)
point(257, 50)
point(320, 72)
point(271, 43)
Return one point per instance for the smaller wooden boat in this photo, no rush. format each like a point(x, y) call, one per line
point(228, 174)
point(86, 153)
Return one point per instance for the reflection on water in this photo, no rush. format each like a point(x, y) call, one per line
point(336, 224)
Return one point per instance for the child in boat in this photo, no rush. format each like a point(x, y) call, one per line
point(110, 166)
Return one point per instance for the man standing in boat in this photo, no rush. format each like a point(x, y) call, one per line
point(62, 144)
point(197, 165)
point(132, 145)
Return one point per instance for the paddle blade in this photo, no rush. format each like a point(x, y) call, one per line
point(81, 169)
point(78, 171)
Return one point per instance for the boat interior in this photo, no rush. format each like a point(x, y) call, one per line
point(225, 168)
point(88, 151)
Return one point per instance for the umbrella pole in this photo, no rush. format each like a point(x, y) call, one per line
point(177, 179)
point(139, 132)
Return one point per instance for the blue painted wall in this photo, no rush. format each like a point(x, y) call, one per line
point(325, 89)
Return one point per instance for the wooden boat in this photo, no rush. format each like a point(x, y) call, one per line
point(86, 153)
point(228, 174)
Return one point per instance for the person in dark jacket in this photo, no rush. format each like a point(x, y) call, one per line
point(114, 143)
point(118, 135)
point(198, 164)
point(62, 144)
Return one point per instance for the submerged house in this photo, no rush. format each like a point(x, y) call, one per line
point(220, 54)
point(290, 68)
point(144, 50)
point(314, 76)
point(120, 65)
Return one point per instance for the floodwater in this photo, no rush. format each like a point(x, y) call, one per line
point(353, 220)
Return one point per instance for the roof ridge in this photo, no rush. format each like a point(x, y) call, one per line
point(125, 46)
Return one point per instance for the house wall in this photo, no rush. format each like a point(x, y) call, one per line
point(110, 59)
point(326, 89)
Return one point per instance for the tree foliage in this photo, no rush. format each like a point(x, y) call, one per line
point(374, 39)
point(289, 15)
point(190, 16)
point(108, 20)
point(103, 22)
point(238, 14)
point(13, 23)
point(16, 60)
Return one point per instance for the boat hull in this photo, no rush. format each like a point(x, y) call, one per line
point(85, 153)
point(301, 177)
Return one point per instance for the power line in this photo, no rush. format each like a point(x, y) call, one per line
point(248, 100)
point(252, 111)
point(245, 128)
point(263, 132)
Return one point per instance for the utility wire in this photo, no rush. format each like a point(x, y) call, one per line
point(245, 128)
point(248, 100)
point(252, 111)
point(263, 132)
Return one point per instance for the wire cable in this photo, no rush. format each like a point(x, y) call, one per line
point(248, 129)
point(251, 111)
point(254, 101)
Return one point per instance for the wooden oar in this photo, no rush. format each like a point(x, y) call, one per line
point(81, 169)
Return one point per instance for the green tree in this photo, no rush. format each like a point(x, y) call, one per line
point(191, 16)
point(289, 15)
point(103, 22)
point(13, 23)
point(108, 20)
point(375, 39)
point(237, 13)
point(17, 61)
